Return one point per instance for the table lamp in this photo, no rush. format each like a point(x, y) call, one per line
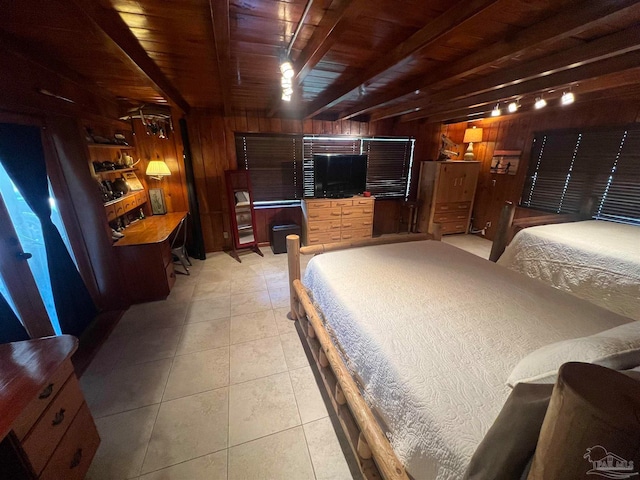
point(471, 135)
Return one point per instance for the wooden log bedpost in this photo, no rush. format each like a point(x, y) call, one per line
point(501, 239)
point(293, 258)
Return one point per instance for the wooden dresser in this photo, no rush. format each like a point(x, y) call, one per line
point(327, 220)
point(46, 427)
point(445, 195)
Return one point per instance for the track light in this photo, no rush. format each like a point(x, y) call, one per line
point(496, 111)
point(540, 103)
point(286, 69)
point(513, 107)
point(567, 98)
point(285, 82)
point(288, 91)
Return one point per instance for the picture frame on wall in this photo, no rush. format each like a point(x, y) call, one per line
point(505, 162)
point(158, 205)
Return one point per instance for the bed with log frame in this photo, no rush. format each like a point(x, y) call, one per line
point(500, 317)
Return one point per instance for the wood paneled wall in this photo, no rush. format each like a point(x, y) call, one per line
point(213, 149)
point(515, 132)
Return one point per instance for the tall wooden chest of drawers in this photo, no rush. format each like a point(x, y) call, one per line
point(445, 195)
point(327, 220)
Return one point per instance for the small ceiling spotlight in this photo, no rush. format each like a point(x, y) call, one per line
point(567, 98)
point(287, 69)
point(540, 103)
point(496, 111)
point(513, 107)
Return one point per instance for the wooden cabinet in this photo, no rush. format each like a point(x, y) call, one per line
point(445, 195)
point(328, 221)
point(47, 426)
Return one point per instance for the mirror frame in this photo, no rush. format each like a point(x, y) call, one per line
point(238, 180)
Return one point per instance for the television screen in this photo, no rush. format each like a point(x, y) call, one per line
point(339, 176)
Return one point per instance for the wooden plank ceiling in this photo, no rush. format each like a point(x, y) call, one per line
point(442, 60)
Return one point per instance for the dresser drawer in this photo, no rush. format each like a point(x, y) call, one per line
point(363, 202)
point(452, 207)
point(323, 226)
point(111, 212)
point(357, 223)
point(53, 423)
point(324, 214)
point(72, 458)
point(341, 203)
point(358, 211)
point(323, 237)
point(356, 234)
point(317, 204)
point(30, 415)
point(450, 217)
point(165, 251)
point(453, 227)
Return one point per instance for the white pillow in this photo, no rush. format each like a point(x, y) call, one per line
point(617, 348)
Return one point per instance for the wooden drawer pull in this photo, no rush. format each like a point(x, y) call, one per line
point(59, 418)
point(313, 229)
point(346, 224)
point(336, 214)
point(347, 213)
point(77, 458)
point(46, 393)
point(347, 236)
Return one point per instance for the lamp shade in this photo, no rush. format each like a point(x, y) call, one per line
point(472, 135)
point(157, 168)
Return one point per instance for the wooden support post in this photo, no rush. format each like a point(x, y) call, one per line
point(501, 239)
point(322, 358)
point(363, 448)
point(340, 395)
point(293, 258)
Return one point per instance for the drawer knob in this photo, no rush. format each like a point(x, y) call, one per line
point(59, 418)
point(46, 393)
point(77, 458)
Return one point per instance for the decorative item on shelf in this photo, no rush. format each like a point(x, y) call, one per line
point(158, 206)
point(446, 150)
point(132, 181)
point(157, 169)
point(120, 185)
point(155, 118)
point(471, 135)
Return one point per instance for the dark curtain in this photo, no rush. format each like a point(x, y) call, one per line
point(22, 156)
point(11, 330)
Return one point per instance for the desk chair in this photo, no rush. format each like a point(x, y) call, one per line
point(178, 246)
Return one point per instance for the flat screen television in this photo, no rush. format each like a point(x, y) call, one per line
point(339, 176)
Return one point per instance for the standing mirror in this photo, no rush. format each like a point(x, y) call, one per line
point(243, 220)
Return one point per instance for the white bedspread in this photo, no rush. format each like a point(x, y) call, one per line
point(433, 332)
point(595, 260)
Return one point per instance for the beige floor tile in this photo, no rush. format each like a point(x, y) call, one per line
point(282, 321)
point(211, 309)
point(261, 407)
point(214, 274)
point(248, 284)
point(279, 297)
point(155, 315)
point(182, 292)
point(123, 443)
point(250, 303)
point(310, 403)
point(125, 388)
point(326, 454)
point(270, 269)
point(255, 359)
point(211, 290)
point(187, 428)
point(293, 351)
point(154, 344)
point(277, 277)
point(204, 336)
point(108, 357)
point(209, 467)
point(245, 271)
point(280, 456)
point(277, 285)
point(253, 326)
point(198, 372)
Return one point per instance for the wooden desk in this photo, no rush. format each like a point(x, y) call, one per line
point(46, 428)
point(144, 257)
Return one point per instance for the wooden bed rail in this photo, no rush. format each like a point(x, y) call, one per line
point(365, 436)
point(330, 247)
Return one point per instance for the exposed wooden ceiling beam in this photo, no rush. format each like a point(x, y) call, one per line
point(434, 30)
point(560, 79)
point(610, 46)
point(109, 22)
point(570, 21)
point(222, 38)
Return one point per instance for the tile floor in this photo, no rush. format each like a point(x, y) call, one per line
point(214, 383)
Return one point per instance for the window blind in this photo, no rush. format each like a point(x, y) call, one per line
point(274, 163)
point(567, 168)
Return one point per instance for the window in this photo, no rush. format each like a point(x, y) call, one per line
point(388, 167)
point(569, 167)
point(275, 166)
